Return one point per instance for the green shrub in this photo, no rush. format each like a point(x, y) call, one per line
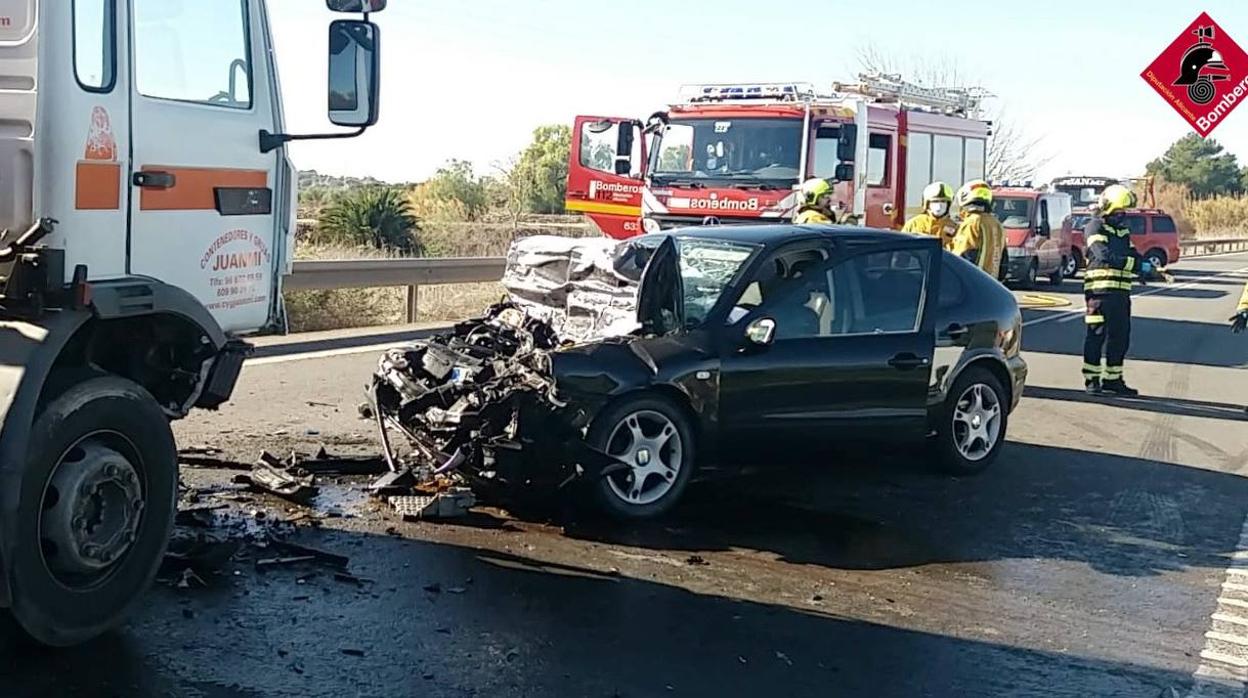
point(377, 217)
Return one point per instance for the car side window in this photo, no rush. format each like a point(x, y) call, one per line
point(1163, 224)
point(1044, 215)
point(869, 293)
point(1136, 225)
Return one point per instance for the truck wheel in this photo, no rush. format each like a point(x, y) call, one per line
point(1033, 273)
point(1077, 256)
point(972, 423)
point(1059, 274)
point(96, 506)
point(653, 436)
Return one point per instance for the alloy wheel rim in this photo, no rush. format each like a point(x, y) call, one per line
point(977, 422)
point(650, 444)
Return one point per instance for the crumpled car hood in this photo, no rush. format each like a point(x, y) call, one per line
point(584, 288)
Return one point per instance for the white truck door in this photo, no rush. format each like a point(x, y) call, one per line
point(201, 194)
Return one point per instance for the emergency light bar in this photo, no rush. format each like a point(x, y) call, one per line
point(774, 91)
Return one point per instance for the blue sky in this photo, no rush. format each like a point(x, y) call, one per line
point(470, 80)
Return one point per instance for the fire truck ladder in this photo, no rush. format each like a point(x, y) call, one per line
point(891, 88)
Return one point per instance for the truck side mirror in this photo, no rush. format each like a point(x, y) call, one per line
point(356, 5)
point(844, 172)
point(847, 143)
point(354, 72)
point(1042, 230)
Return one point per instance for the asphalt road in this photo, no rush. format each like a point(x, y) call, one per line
point(1081, 565)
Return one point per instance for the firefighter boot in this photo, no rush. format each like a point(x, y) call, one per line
point(1092, 386)
point(1118, 387)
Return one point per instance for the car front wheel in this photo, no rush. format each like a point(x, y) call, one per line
point(652, 436)
point(972, 424)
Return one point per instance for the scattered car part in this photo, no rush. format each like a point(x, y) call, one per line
point(270, 475)
point(444, 505)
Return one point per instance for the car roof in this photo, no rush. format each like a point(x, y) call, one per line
point(768, 235)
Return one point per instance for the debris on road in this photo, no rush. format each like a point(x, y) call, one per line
point(445, 505)
point(696, 561)
point(209, 458)
point(271, 475)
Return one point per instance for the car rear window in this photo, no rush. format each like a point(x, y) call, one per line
point(1163, 224)
point(1136, 225)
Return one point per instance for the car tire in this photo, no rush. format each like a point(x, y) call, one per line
point(1077, 256)
point(1070, 265)
point(664, 456)
point(1158, 258)
point(1059, 274)
point(957, 450)
point(1033, 274)
point(123, 459)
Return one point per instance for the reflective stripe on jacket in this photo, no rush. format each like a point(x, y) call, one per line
point(1112, 261)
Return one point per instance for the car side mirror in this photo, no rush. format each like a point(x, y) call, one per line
point(761, 332)
point(354, 69)
point(844, 172)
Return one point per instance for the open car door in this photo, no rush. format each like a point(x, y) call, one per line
point(605, 168)
point(661, 297)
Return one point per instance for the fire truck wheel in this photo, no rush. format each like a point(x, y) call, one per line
point(96, 506)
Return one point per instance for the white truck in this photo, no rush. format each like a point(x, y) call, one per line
point(150, 207)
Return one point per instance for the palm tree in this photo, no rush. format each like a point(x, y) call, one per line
point(376, 216)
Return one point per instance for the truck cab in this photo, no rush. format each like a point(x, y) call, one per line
point(148, 211)
point(738, 153)
point(1037, 244)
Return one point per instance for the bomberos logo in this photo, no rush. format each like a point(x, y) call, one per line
point(714, 203)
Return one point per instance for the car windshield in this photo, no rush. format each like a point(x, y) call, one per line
point(1081, 197)
point(1012, 212)
point(738, 152)
point(707, 267)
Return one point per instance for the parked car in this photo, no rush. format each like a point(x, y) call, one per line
point(1037, 244)
point(1153, 234)
point(742, 335)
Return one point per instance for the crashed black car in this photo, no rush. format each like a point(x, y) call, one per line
point(628, 366)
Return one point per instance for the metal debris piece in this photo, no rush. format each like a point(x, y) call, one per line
point(325, 464)
point(696, 561)
point(189, 580)
point(203, 553)
point(397, 482)
point(324, 557)
point(449, 504)
point(271, 475)
point(197, 516)
point(209, 458)
point(347, 578)
point(269, 563)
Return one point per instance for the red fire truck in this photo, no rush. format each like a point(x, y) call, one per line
point(734, 154)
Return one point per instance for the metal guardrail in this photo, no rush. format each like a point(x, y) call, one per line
point(378, 273)
point(1200, 248)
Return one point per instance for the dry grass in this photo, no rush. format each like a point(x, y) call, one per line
point(1220, 216)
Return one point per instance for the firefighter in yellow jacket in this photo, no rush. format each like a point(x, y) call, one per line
point(1239, 321)
point(816, 203)
point(935, 220)
point(980, 238)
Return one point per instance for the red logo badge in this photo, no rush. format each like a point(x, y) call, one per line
point(1203, 74)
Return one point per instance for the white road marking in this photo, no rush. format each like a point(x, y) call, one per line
point(323, 354)
point(1070, 315)
point(1223, 669)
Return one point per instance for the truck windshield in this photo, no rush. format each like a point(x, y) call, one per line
point(737, 152)
point(1012, 212)
point(1081, 197)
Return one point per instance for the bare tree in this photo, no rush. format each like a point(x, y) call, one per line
point(1012, 153)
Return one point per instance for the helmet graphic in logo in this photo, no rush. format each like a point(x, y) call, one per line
point(1202, 65)
point(710, 220)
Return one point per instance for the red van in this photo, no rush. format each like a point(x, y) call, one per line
point(1037, 244)
point(1153, 234)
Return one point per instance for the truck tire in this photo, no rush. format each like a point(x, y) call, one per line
point(97, 502)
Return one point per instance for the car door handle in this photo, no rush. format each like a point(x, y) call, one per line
point(956, 331)
point(907, 361)
point(154, 179)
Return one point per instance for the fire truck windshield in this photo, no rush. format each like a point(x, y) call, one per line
point(737, 152)
point(1081, 196)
